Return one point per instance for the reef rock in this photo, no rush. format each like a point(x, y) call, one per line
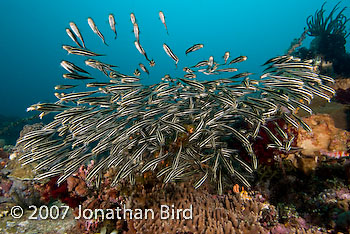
point(324, 136)
point(341, 83)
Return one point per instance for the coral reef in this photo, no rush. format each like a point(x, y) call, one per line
point(186, 143)
point(17, 179)
point(30, 226)
point(234, 212)
point(309, 199)
point(211, 214)
point(283, 201)
point(17, 185)
point(313, 183)
point(177, 128)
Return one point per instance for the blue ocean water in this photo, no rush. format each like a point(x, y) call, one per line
point(33, 32)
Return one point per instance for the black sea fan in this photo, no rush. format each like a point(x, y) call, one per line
point(179, 128)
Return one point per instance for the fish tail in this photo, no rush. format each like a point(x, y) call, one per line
point(166, 29)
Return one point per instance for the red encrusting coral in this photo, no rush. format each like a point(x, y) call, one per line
point(266, 155)
point(51, 191)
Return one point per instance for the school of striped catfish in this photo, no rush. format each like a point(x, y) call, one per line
point(178, 128)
